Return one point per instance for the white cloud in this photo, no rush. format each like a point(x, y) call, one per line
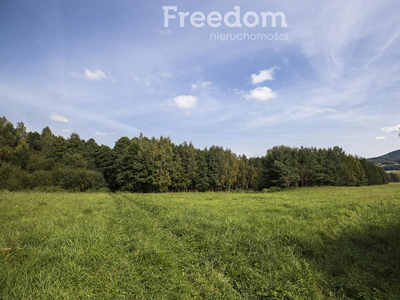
point(263, 76)
point(57, 118)
point(391, 128)
point(262, 94)
point(380, 138)
point(185, 101)
point(94, 75)
point(100, 133)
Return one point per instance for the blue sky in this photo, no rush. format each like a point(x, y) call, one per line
point(107, 69)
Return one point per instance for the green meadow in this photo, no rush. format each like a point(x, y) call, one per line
point(309, 243)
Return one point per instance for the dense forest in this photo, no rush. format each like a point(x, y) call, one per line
point(32, 160)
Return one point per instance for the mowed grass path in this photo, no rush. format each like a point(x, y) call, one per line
point(315, 243)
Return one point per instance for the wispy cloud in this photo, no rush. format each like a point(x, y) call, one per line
point(151, 79)
point(295, 113)
point(165, 74)
point(201, 84)
point(136, 78)
point(308, 112)
point(380, 138)
point(36, 99)
point(58, 118)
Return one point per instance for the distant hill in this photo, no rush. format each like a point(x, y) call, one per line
point(390, 161)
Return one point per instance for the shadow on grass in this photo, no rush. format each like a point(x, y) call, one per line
point(363, 262)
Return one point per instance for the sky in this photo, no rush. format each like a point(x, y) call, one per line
point(107, 69)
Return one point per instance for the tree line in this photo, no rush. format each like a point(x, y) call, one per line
point(32, 160)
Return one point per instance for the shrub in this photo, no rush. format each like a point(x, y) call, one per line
point(7, 171)
point(79, 180)
point(274, 189)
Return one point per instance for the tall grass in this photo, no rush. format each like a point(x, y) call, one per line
point(316, 243)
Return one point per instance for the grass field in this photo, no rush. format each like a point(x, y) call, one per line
point(393, 171)
point(314, 243)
